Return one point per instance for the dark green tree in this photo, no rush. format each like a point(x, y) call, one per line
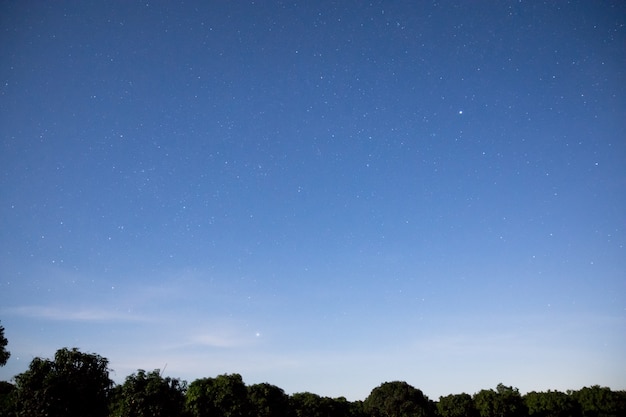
point(457, 405)
point(7, 399)
point(357, 409)
point(551, 404)
point(4, 353)
point(74, 384)
point(397, 399)
point(306, 404)
point(485, 402)
point(341, 407)
point(597, 401)
point(268, 400)
point(149, 395)
point(222, 396)
point(504, 402)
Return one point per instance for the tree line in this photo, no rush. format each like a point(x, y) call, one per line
point(77, 384)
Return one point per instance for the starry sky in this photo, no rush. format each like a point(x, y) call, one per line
point(320, 195)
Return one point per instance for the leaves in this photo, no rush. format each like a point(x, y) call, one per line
point(225, 395)
point(551, 404)
point(397, 399)
point(4, 354)
point(457, 405)
point(149, 395)
point(268, 400)
point(75, 384)
point(504, 402)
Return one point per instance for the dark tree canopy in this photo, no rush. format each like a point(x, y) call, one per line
point(503, 402)
point(7, 398)
point(4, 353)
point(307, 404)
point(268, 400)
point(223, 396)
point(551, 404)
point(74, 384)
point(457, 405)
point(597, 401)
point(397, 399)
point(149, 395)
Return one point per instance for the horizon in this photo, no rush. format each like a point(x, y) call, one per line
point(162, 372)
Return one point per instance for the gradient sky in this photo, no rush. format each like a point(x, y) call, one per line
point(320, 195)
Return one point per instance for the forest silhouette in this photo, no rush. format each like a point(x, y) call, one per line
point(77, 384)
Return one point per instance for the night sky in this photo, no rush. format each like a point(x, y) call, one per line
point(320, 195)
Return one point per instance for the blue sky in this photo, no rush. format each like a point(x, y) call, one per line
point(323, 196)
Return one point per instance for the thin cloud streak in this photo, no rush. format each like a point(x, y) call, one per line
point(60, 314)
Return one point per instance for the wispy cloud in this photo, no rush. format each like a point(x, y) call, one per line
point(217, 340)
point(213, 332)
point(73, 314)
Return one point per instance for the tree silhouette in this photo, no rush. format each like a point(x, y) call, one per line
point(397, 399)
point(268, 400)
point(4, 353)
point(225, 395)
point(457, 405)
point(74, 384)
point(149, 395)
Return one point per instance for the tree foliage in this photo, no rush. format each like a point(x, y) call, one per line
point(457, 405)
point(268, 400)
point(397, 399)
point(307, 404)
point(596, 401)
point(149, 395)
point(7, 399)
point(223, 396)
point(4, 353)
point(503, 402)
point(551, 404)
point(74, 384)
